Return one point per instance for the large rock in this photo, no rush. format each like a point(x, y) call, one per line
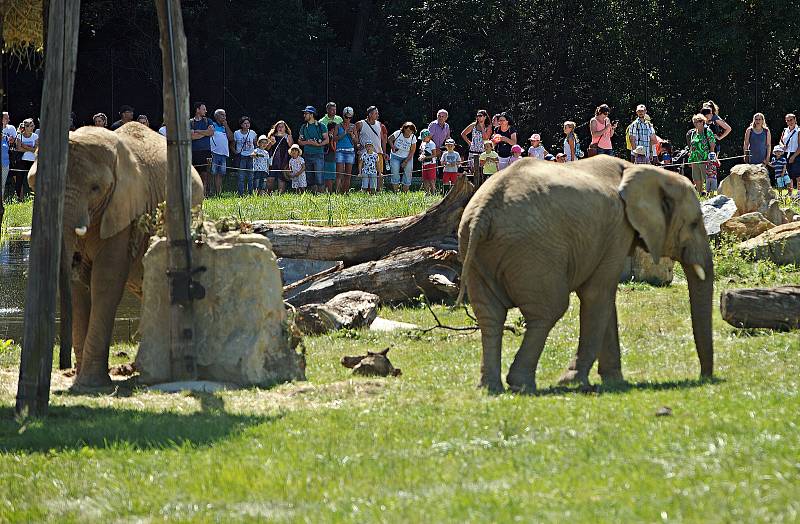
point(748, 185)
point(790, 214)
point(241, 332)
point(780, 244)
point(747, 226)
point(716, 211)
point(639, 267)
point(352, 309)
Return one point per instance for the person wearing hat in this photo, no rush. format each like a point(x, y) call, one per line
point(345, 150)
point(427, 157)
point(330, 115)
point(782, 179)
point(261, 165)
point(642, 133)
point(297, 169)
point(313, 137)
point(368, 167)
point(373, 130)
point(639, 155)
point(125, 116)
point(537, 150)
point(450, 162)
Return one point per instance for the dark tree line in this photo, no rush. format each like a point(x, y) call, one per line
point(543, 61)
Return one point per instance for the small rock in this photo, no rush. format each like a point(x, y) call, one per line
point(123, 370)
point(371, 364)
point(663, 411)
point(747, 226)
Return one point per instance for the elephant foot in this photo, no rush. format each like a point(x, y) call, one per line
point(522, 384)
point(612, 378)
point(493, 387)
point(87, 383)
point(569, 377)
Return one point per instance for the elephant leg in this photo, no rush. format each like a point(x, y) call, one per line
point(521, 376)
point(608, 360)
point(491, 315)
point(109, 273)
point(81, 306)
point(597, 302)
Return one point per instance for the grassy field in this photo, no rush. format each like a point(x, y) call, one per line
point(428, 446)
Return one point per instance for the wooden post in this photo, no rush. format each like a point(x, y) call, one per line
point(477, 172)
point(176, 115)
point(33, 389)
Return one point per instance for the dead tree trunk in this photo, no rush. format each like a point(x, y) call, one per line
point(361, 243)
point(773, 308)
point(396, 278)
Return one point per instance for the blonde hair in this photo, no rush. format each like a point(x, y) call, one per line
point(714, 107)
point(763, 118)
point(699, 118)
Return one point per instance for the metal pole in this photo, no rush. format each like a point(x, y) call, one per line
point(36, 361)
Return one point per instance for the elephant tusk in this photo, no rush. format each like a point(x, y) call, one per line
point(701, 274)
point(80, 231)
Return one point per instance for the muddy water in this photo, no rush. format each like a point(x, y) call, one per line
point(13, 268)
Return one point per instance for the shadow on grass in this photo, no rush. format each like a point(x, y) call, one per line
point(76, 427)
point(627, 387)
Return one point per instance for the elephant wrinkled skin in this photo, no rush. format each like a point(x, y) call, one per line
point(537, 231)
point(113, 178)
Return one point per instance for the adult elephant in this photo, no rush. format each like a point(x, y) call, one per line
point(113, 178)
point(541, 230)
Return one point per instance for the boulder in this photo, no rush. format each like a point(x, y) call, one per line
point(748, 185)
point(780, 244)
point(747, 226)
point(639, 267)
point(241, 333)
point(716, 211)
point(352, 309)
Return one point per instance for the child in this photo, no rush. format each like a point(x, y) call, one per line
point(368, 167)
point(516, 153)
point(572, 145)
point(639, 155)
point(428, 160)
point(329, 176)
point(561, 158)
point(666, 153)
point(260, 164)
point(489, 159)
point(778, 163)
point(712, 169)
point(450, 160)
point(298, 169)
point(537, 150)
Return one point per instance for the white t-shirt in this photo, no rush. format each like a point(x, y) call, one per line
point(10, 132)
point(536, 152)
point(791, 136)
point(163, 131)
point(245, 143)
point(429, 147)
point(219, 141)
point(403, 143)
point(30, 142)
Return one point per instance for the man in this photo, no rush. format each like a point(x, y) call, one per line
point(125, 116)
point(313, 138)
point(642, 133)
point(202, 131)
point(330, 115)
point(220, 148)
point(789, 141)
point(440, 130)
point(372, 129)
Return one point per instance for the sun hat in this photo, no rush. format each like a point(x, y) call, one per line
point(449, 142)
point(262, 137)
point(347, 111)
point(424, 134)
point(516, 148)
point(641, 107)
point(535, 136)
point(488, 143)
point(310, 109)
point(295, 146)
point(639, 150)
point(778, 148)
point(367, 142)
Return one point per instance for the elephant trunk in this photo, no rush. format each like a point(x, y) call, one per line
point(65, 296)
point(701, 292)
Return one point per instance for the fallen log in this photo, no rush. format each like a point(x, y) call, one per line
point(774, 308)
point(436, 227)
point(395, 278)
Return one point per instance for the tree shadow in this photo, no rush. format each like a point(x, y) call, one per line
point(77, 427)
point(626, 387)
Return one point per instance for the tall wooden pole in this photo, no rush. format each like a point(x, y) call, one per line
point(176, 115)
point(33, 389)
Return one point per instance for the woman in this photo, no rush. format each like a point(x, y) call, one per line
point(701, 140)
point(403, 143)
point(142, 119)
point(504, 138)
point(480, 131)
point(718, 126)
point(100, 120)
point(602, 130)
point(758, 140)
point(345, 150)
point(280, 138)
point(27, 141)
point(245, 143)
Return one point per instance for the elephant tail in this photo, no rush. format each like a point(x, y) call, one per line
point(476, 232)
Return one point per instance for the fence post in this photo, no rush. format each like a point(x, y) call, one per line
point(747, 156)
point(36, 361)
point(477, 172)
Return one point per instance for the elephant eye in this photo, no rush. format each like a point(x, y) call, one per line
point(95, 188)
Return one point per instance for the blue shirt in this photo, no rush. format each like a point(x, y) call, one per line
point(201, 144)
point(5, 152)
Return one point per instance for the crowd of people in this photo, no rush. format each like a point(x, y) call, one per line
point(326, 153)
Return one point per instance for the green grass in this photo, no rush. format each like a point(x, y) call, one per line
point(428, 446)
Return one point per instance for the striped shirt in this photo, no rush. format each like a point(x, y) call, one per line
point(779, 164)
point(641, 133)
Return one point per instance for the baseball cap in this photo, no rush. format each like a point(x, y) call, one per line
point(449, 141)
point(641, 107)
point(262, 137)
point(367, 142)
point(347, 111)
point(712, 156)
point(535, 136)
point(310, 109)
point(424, 134)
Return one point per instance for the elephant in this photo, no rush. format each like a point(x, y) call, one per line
point(538, 230)
point(113, 178)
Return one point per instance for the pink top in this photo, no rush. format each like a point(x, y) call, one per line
point(604, 140)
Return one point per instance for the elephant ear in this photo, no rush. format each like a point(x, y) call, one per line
point(130, 196)
point(649, 202)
